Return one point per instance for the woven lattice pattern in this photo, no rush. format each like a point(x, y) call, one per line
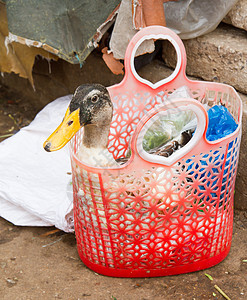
point(128, 111)
point(156, 217)
point(130, 107)
point(165, 218)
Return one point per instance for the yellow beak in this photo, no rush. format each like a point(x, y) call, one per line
point(65, 131)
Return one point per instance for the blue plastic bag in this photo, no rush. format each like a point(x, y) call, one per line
point(221, 123)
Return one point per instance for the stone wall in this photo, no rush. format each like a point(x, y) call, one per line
point(238, 15)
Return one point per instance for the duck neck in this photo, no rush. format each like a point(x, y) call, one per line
point(96, 136)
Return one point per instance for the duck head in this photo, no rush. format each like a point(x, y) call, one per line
point(90, 106)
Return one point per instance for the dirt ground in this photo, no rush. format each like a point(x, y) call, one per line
point(36, 263)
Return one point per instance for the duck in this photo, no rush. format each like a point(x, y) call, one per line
point(91, 107)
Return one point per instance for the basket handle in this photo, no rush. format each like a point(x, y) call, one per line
point(198, 139)
point(155, 32)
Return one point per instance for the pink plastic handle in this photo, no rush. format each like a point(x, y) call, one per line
point(155, 32)
point(154, 114)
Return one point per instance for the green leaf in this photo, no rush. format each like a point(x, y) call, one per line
point(209, 276)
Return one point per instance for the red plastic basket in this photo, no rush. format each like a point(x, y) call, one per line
point(156, 216)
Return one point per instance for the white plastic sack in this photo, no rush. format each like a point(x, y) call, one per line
point(188, 18)
point(35, 186)
point(192, 18)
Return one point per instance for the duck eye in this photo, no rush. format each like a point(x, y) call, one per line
point(95, 98)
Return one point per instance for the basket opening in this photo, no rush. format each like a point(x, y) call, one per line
point(169, 132)
point(151, 66)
